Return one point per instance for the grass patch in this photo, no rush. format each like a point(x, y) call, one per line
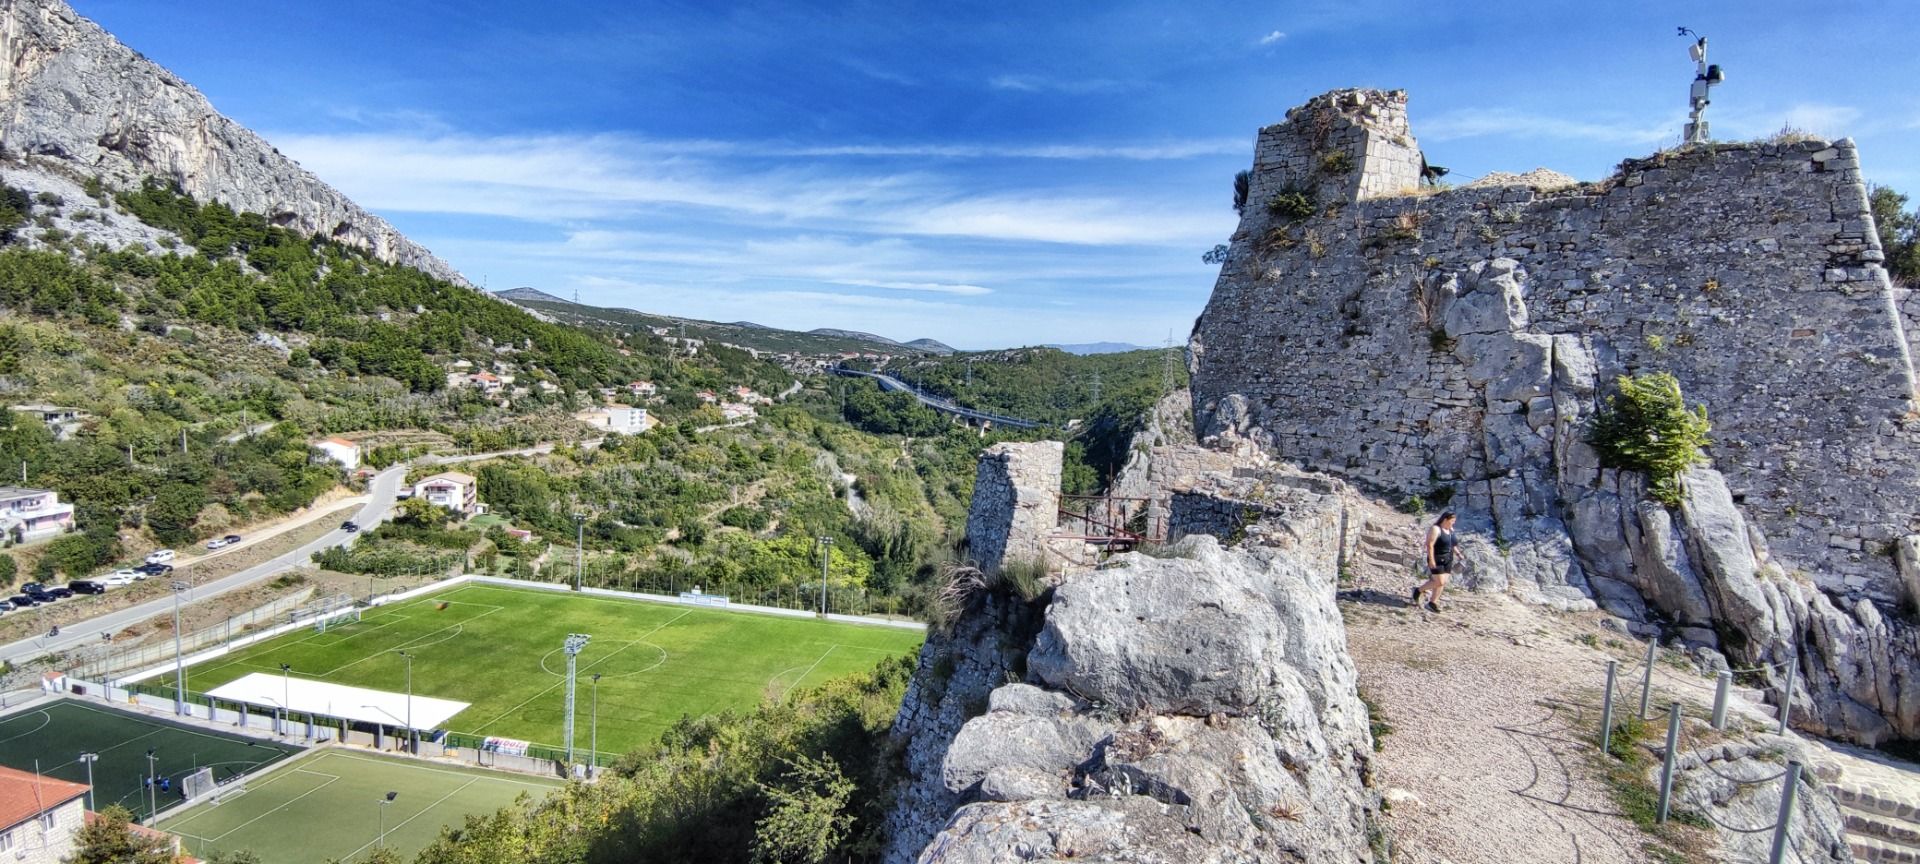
point(1377, 723)
point(1630, 774)
point(498, 648)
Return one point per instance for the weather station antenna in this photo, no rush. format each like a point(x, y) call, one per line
point(1705, 78)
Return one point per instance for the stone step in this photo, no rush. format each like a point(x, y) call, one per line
point(1864, 823)
point(1898, 805)
point(1870, 850)
point(1383, 542)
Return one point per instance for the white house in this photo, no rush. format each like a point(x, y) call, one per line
point(340, 450)
point(32, 514)
point(736, 411)
point(40, 817)
point(623, 419)
point(643, 388)
point(453, 490)
point(62, 420)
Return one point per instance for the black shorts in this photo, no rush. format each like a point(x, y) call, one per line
point(1442, 570)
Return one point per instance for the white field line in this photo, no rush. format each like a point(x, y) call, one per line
point(407, 644)
point(331, 778)
point(45, 719)
point(402, 823)
point(410, 766)
point(530, 700)
point(816, 665)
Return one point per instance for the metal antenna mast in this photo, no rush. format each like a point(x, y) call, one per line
point(1166, 367)
point(575, 642)
point(1705, 78)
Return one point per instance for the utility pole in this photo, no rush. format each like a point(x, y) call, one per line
point(573, 646)
point(1166, 367)
point(1096, 386)
point(826, 554)
point(579, 543)
point(179, 666)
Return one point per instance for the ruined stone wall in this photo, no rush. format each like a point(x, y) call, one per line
point(1460, 339)
point(1016, 503)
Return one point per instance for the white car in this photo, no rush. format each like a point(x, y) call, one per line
point(160, 556)
point(119, 578)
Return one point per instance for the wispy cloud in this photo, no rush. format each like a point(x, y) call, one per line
point(1041, 83)
point(1132, 152)
point(1484, 122)
point(560, 179)
point(1273, 37)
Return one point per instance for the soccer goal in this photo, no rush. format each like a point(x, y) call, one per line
point(330, 612)
point(199, 785)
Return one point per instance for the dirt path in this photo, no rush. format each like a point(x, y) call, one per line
point(1482, 736)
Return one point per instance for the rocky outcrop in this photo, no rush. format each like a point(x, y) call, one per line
point(1456, 346)
point(72, 95)
point(1737, 786)
point(1190, 709)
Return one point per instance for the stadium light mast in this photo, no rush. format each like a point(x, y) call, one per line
point(382, 842)
point(413, 738)
point(826, 555)
point(593, 741)
point(573, 646)
point(179, 666)
point(89, 758)
point(286, 689)
point(579, 543)
point(153, 786)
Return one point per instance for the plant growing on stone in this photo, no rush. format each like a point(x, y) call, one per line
point(1291, 204)
point(1336, 162)
point(1241, 180)
point(1647, 427)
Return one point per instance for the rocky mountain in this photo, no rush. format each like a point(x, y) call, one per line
point(533, 295)
point(746, 334)
point(80, 104)
point(1099, 347)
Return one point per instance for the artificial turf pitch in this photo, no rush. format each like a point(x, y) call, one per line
point(328, 806)
point(57, 734)
point(498, 648)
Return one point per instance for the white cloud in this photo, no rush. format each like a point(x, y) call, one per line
point(1041, 83)
point(1273, 37)
point(1131, 152)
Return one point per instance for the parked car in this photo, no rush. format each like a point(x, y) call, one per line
point(22, 601)
point(59, 592)
point(349, 526)
point(86, 586)
point(223, 542)
point(146, 570)
point(6, 606)
point(119, 578)
point(38, 595)
point(159, 556)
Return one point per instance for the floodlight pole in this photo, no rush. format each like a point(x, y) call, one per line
point(413, 738)
point(89, 758)
point(153, 785)
point(179, 665)
point(286, 690)
point(579, 544)
point(575, 642)
point(593, 745)
point(826, 554)
point(382, 842)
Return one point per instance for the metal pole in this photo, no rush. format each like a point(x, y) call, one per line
point(1781, 823)
point(89, 758)
point(286, 689)
point(413, 738)
point(1666, 765)
point(593, 741)
point(1786, 696)
point(1720, 700)
point(179, 666)
point(1646, 680)
point(579, 542)
point(1606, 708)
point(153, 785)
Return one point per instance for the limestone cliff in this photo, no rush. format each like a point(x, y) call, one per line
point(72, 94)
point(1454, 344)
point(1197, 707)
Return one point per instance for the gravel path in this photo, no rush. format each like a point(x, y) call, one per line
point(1482, 764)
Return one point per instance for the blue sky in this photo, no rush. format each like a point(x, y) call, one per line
point(986, 174)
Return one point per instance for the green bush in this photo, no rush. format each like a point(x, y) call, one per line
point(1647, 427)
point(1292, 205)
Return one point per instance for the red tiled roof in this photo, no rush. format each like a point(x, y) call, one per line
point(24, 796)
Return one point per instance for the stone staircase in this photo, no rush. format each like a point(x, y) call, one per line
point(1385, 553)
point(1879, 798)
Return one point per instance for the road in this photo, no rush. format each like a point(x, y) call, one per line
point(890, 383)
point(381, 493)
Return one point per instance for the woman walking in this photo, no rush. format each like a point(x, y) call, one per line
point(1440, 547)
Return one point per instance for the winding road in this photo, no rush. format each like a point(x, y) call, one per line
point(382, 491)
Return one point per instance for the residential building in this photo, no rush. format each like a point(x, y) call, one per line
point(453, 490)
point(62, 420)
point(340, 450)
point(32, 514)
point(623, 419)
point(486, 381)
point(40, 817)
point(708, 396)
point(736, 411)
point(643, 388)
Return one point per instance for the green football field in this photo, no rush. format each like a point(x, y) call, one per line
point(56, 735)
point(329, 806)
point(498, 648)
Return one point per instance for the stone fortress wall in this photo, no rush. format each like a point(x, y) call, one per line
point(1458, 342)
point(1471, 319)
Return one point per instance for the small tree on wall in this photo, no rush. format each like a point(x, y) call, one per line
point(1647, 427)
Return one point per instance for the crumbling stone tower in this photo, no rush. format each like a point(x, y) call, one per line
point(1347, 145)
point(1016, 504)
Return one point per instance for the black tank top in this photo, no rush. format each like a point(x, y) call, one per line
point(1443, 548)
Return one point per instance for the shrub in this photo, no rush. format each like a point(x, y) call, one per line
point(1336, 162)
point(1292, 205)
point(1647, 427)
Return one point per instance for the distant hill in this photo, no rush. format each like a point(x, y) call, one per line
point(1099, 348)
point(745, 334)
